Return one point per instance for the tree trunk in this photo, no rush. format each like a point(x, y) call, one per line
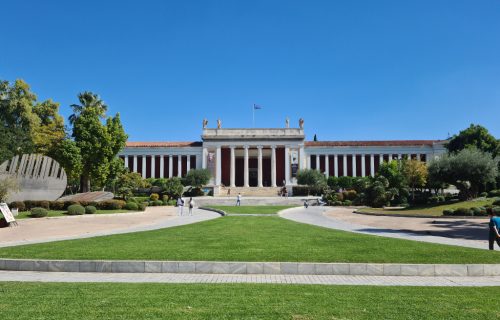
point(84, 184)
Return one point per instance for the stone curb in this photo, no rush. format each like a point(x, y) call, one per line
point(283, 268)
point(222, 213)
point(378, 214)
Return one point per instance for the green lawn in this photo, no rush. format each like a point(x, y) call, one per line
point(62, 213)
point(251, 209)
point(243, 301)
point(430, 210)
point(252, 238)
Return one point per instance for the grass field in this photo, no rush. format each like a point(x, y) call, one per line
point(430, 210)
point(242, 301)
point(251, 209)
point(62, 213)
point(250, 238)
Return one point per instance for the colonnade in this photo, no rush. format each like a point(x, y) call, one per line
point(152, 163)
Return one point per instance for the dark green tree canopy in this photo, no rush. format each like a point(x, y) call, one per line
point(311, 178)
point(197, 177)
point(474, 136)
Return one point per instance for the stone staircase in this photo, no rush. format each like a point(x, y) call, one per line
point(249, 192)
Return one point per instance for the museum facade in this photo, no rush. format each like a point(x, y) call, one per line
point(268, 157)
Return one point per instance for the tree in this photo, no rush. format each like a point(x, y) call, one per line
point(315, 138)
point(415, 174)
point(99, 144)
point(127, 182)
point(475, 136)
point(50, 131)
point(469, 170)
point(68, 155)
point(311, 178)
point(345, 182)
point(172, 187)
point(197, 177)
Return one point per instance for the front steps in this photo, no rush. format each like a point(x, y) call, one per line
point(249, 191)
point(251, 201)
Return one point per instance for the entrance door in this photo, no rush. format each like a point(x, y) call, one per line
point(252, 177)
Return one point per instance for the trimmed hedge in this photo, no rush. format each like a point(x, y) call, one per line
point(111, 205)
point(76, 209)
point(19, 205)
point(131, 206)
point(38, 212)
point(90, 210)
point(448, 212)
point(305, 190)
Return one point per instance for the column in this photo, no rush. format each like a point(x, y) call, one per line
point(204, 158)
point(428, 157)
point(345, 165)
point(354, 164)
point(245, 168)
point(170, 166)
point(218, 170)
point(363, 165)
point(287, 165)
point(126, 161)
point(135, 164)
point(409, 156)
point(372, 165)
point(381, 158)
point(419, 158)
point(259, 172)
point(273, 166)
point(390, 157)
point(153, 166)
point(327, 165)
point(179, 166)
point(233, 168)
point(336, 165)
point(302, 157)
point(144, 166)
point(308, 161)
point(162, 166)
point(318, 163)
point(188, 165)
point(400, 156)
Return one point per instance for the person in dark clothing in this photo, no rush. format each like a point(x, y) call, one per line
point(494, 227)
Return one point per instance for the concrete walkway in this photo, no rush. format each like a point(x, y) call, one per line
point(328, 217)
point(77, 227)
point(30, 276)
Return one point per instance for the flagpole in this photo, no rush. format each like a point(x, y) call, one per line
point(253, 115)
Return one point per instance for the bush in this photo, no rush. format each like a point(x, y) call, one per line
point(112, 205)
point(480, 211)
point(154, 197)
point(347, 203)
point(158, 203)
point(298, 191)
point(495, 210)
point(194, 192)
point(44, 204)
point(19, 205)
point(56, 205)
point(38, 212)
point(132, 206)
point(462, 212)
point(76, 209)
point(68, 204)
point(350, 195)
point(337, 203)
point(494, 193)
point(90, 210)
point(483, 194)
point(448, 212)
point(142, 206)
point(496, 202)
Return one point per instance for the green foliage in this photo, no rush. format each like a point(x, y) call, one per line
point(197, 177)
point(462, 212)
point(345, 182)
point(494, 193)
point(7, 186)
point(132, 206)
point(448, 212)
point(38, 212)
point(90, 210)
point(127, 183)
point(469, 170)
point(68, 155)
point(415, 174)
point(19, 205)
point(311, 178)
point(111, 204)
point(142, 206)
point(360, 184)
point(157, 203)
point(333, 183)
point(496, 202)
point(475, 136)
point(154, 197)
point(76, 209)
point(172, 187)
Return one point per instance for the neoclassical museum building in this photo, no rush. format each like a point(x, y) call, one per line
point(268, 157)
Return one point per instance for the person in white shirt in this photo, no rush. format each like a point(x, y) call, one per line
point(191, 206)
point(238, 199)
point(180, 205)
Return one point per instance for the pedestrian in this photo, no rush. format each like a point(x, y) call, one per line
point(238, 200)
point(191, 206)
point(494, 227)
point(306, 204)
point(180, 205)
point(229, 191)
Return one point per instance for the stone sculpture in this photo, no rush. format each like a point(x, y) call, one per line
point(205, 123)
point(287, 123)
point(219, 124)
point(39, 177)
point(301, 123)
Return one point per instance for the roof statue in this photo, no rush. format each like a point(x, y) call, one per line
point(301, 123)
point(287, 123)
point(219, 124)
point(205, 123)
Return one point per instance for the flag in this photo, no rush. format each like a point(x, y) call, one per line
point(256, 107)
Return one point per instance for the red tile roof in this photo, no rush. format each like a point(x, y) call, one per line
point(386, 143)
point(181, 144)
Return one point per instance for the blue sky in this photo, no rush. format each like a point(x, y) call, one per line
point(354, 70)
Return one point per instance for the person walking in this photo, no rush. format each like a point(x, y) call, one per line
point(494, 225)
point(191, 206)
point(180, 206)
point(238, 200)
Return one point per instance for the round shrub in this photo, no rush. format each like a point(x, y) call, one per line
point(433, 199)
point(158, 203)
point(38, 212)
point(441, 198)
point(57, 205)
point(132, 206)
point(448, 212)
point(19, 205)
point(90, 210)
point(476, 211)
point(141, 206)
point(347, 203)
point(69, 203)
point(154, 197)
point(463, 212)
point(112, 205)
point(350, 195)
point(76, 209)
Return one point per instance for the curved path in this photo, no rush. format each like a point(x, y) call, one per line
point(31, 276)
point(328, 217)
point(41, 230)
